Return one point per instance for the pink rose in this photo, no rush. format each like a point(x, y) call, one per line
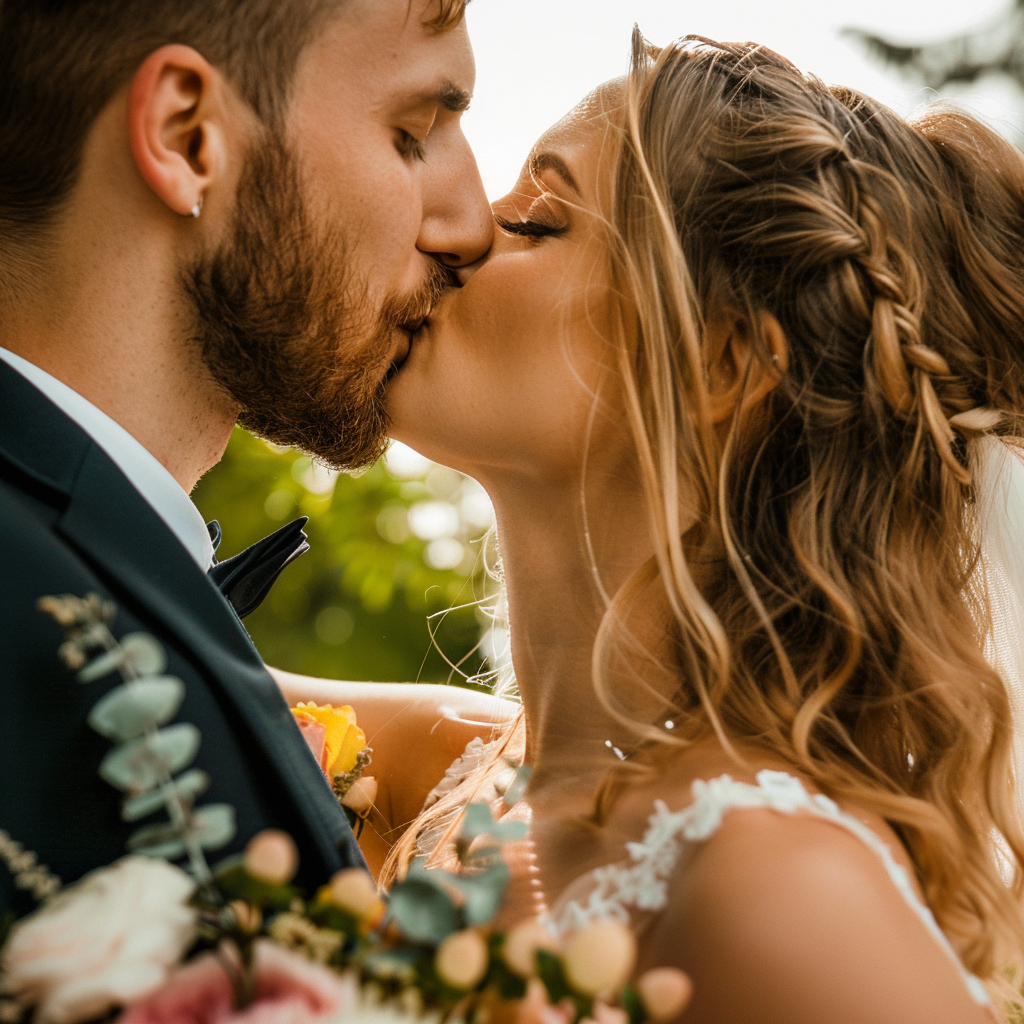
point(315, 735)
point(198, 993)
point(109, 939)
point(288, 990)
point(285, 976)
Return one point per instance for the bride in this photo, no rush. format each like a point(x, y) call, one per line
point(728, 374)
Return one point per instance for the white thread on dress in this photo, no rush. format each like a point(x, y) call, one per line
point(643, 883)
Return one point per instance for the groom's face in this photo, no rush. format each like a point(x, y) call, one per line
point(375, 122)
point(349, 222)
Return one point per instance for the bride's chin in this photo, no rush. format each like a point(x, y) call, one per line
point(413, 416)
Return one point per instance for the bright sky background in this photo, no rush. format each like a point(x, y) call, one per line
point(537, 58)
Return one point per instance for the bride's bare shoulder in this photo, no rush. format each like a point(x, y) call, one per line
point(789, 918)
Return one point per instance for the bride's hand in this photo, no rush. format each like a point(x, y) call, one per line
point(416, 731)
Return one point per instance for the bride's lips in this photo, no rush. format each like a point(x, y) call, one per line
point(406, 334)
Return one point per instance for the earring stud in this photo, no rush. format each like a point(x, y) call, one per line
point(198, 208)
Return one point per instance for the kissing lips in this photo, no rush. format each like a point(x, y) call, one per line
point(406, 334)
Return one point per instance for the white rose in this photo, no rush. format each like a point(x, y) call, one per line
point(105, 941)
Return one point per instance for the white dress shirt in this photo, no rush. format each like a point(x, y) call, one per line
point(167, 497)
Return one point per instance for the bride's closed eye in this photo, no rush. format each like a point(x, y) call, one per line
point(530, 228)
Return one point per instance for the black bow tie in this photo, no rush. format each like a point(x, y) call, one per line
point(246, 578)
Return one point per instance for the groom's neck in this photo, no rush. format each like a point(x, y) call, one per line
point(104, 317)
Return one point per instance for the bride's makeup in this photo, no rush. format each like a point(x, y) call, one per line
point(542, 219)
point(535, 229)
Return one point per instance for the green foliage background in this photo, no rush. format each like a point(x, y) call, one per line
point(357, 605)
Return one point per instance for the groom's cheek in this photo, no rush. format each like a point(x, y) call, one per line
point(360, 189)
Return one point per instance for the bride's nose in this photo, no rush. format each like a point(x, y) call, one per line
point(457, 228)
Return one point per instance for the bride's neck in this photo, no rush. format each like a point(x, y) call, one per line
point(560, 567)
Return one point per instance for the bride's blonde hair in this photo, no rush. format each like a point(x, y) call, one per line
point(841, 631)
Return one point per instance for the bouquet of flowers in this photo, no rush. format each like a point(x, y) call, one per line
point(147, 942)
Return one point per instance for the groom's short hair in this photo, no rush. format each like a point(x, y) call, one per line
point(61, 61)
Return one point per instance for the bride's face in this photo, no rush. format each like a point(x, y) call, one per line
point(510, 375)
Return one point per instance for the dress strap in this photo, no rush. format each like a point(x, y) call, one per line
point(642, 882)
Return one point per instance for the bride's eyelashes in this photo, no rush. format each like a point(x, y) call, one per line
point(530, 228)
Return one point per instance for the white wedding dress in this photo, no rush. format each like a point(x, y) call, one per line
point(639, 885)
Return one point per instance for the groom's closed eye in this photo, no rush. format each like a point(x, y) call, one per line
point(410, 147)
point(417, 115)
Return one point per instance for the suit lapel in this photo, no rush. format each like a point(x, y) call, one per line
point(118, 532)
point(114, 525)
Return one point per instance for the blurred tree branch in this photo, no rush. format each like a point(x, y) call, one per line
point(997, 47)
point(396, 558)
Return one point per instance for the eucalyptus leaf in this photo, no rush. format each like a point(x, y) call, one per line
point(143, 654)
point(171, 850)
point(101, 666)
point(551, 972)
point(483, 893)
point(423, 912)
point(478, 821)
point(515, 792)
point(214, 825)
point(163, 840)
point(189, 786)
point(139, 766)
point(437, 877)
point(129, 711)
point(138, 654)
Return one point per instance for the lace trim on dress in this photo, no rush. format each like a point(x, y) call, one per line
point(642, 883)
point(494, 787)
point(460, 770)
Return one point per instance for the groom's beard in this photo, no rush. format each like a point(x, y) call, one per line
point(287, 333)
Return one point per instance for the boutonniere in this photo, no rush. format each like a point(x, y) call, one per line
point(339, 746)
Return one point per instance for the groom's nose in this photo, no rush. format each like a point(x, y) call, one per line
point(457, 227)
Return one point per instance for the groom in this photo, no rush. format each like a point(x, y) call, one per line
point(211, 211)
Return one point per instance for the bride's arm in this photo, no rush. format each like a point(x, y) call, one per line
point(790, 920)
point(416, 731)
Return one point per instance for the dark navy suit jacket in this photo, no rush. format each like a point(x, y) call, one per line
point(71, 523)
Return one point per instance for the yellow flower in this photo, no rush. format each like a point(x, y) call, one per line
point(342, 740)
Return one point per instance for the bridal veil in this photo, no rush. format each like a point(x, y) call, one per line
point(999, 480)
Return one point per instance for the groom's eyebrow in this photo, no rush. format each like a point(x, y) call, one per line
point(448, 95)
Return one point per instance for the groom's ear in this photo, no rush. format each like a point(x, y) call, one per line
point(176, 126)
